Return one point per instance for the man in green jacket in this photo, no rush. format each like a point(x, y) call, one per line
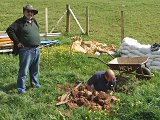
point(24, 32)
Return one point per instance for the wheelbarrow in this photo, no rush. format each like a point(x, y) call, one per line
point(129, 65)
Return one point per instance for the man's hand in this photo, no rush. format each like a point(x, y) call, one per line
point(20, 45)
point(90, 88)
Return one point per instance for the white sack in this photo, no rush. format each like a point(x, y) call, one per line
point(154, 67)
point(126, 52)
point(124, 55)
point(145, 49)
point(132, 47)
point(126, 48)
point(136, 52)
point(132, 55)
point(153, 56)
point(150, 60)
point(148, 64)
point(157, 59)
point(124, 44)
point(130, 41)
point(156, 52)
point(155, 63)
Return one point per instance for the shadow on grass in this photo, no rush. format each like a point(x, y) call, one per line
point(8, 87)
point(143, 115)
point(125, 84)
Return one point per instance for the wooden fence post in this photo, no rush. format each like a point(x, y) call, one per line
point(46, 21)
point(122, 26)
point(87, 20)
point(68, 18)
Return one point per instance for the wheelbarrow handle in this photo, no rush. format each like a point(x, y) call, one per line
point(109, 55)
point(99, 60)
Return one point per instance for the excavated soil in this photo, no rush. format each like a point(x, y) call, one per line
point(92, 100)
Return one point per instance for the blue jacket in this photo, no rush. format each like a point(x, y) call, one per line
point(100, 83)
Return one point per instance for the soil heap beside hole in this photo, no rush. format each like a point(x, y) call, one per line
point(92, 100)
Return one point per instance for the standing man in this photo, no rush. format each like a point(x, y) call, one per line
point(24, 32)
point(102, 81)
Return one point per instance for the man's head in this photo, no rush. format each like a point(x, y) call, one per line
point(29, 11)
point(109, 75)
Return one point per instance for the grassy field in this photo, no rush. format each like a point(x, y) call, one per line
point(139, 100)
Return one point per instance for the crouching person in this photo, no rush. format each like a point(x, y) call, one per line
point(102, 81)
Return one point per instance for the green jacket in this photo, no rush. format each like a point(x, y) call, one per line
point(24, 32)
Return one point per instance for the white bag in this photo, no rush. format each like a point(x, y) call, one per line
point(148, 64)
point(132, 55)
point(157, 59)
point(156, 52)
point(136, 52)
point(145, 50)
point(153, 56)
point(125, 52)
point(154, 67)
point(155, 63)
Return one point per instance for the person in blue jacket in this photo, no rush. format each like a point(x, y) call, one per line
point(102, 81)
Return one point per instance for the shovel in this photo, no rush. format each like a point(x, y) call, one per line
point(64, 98)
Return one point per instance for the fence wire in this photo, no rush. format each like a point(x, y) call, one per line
point(141, 19)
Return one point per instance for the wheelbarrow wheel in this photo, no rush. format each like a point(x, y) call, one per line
point(143, 73)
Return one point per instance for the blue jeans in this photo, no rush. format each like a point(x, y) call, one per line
point(29, 59)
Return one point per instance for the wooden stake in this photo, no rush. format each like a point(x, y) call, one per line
point(58, 21)
point(122, 26)
point(87, 21)
point(76, 21)
point(46, 20)
point(68, 18)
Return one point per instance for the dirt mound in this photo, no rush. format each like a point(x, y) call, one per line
point(90, 99)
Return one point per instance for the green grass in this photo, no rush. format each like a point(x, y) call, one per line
point(141, 17)
point(139, 100)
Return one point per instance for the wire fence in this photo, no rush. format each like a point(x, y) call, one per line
point(140, 22)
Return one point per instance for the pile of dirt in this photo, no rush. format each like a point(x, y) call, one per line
point(90, 99)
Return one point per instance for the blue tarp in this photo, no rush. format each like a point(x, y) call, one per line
point(50, 42)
